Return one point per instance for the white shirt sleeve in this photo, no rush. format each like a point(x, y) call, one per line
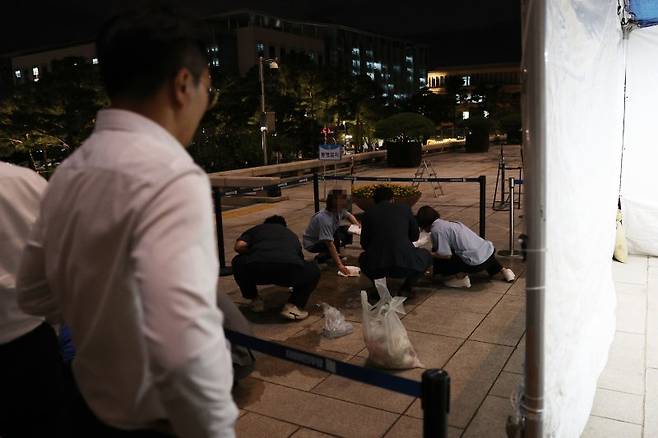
point(34, 294)
point(440, 244)
point(175, 256)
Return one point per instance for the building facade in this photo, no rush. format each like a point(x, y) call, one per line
point(31, 65)
point(240, 37)
point(476, 85)
point(397, 65)
point(507, 76)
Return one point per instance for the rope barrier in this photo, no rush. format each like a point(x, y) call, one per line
point(433, 390)
point(350, 371)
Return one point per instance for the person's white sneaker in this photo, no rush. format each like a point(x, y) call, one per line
point(455, 282)
point(257, 305)
point(293, 312)
point(508, 275)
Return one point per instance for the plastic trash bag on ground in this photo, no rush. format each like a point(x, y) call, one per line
point(335, 325)
point(621, 248)
point(385, 337)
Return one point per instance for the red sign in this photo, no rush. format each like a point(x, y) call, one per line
point(326, 131)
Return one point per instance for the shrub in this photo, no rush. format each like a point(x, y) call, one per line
point(399, 191)
point(405, 127)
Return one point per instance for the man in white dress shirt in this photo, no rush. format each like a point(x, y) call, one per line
point(125, 252)
point(30, 363)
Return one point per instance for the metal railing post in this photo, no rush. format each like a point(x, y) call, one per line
point(510, 251)
point(483, 207)
point(316, 192)
point(219, 227)
point(435, 401)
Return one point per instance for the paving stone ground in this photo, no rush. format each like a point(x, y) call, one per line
point(476, 335)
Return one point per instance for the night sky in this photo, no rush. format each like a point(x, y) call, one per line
point(460, 31)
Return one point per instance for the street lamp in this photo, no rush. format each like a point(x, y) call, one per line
point(263, 125)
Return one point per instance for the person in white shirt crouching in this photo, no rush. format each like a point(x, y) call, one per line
point(458, 251)
point(124, 250)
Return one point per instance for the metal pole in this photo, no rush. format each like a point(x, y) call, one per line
point(435, 401)
point(510, 252)
point(263, 127)
point(502, 184)
point(316, 193)
point(483, 207)
point(534, 107)
point(511, 215)
point(219, 227)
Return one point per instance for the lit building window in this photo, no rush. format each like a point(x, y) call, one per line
point(356, 64)
point(377, 65)
point(260, 49)
point(35, 71)
point(94, 61)
point(467, 81)
point(18, 74)
point(422, 81)
point(409, 59)
point(371, 75)
point(486, 113)
point(355, 51)
point(465, 115)
point(215, 62)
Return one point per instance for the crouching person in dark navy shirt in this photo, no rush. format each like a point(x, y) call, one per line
point(271, 254)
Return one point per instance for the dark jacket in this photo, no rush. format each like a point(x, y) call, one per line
point(387, 234)
point(272, 243)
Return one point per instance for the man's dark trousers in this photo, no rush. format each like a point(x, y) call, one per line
point(302, 278)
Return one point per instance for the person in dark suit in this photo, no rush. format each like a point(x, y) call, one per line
point(387, 234)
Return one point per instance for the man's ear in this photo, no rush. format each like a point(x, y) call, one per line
point(182, 86)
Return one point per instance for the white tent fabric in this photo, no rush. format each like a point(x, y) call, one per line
point(584, 73)
point(639, 194)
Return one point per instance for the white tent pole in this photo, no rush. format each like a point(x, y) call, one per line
point(534, 118)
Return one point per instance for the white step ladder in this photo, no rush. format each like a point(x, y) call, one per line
point(426, 166)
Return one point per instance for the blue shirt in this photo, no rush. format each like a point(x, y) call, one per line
point(456, 238)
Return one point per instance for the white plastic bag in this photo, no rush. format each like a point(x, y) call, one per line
point(354, 229)
point(621, 248)
point(424, 241)
point(355, 271)
point(386, 338)
point(335, 325)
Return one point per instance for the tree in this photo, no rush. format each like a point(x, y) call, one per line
point(405, 127)
point(436, 107)
point(42, 122)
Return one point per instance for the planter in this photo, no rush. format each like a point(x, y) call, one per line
point(514, 136)
point(408, 154)
point(365, 203)
point(477, 139)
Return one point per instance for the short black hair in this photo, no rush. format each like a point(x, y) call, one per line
point(426, 216)
point(276, 219)
point(382, 193)
point(139, 50)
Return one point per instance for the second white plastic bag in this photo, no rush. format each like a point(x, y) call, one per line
point(385, 337)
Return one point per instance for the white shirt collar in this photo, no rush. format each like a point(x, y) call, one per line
point(112, 119)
